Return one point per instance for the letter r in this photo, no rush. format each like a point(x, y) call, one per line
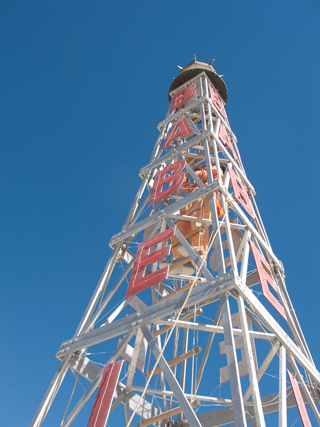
point(183, 96)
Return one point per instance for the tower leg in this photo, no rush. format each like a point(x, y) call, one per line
point(235, 384)
point(282, 388)
point(51, 393)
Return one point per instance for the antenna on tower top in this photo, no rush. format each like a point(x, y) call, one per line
point(197, 67)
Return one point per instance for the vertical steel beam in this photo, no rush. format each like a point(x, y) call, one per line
point(206, 352)
point(50, 393)
point(214, 216)
point(264, 366)
point(282, 388)
point(162, 379)
point(172, 381)
point(127, 412)
point(174, 355)
point(245, 257)
point(250, 365)
point(184, 362)
point(135, 357)
point(155, 265)
point(183, 365)
point(235, 383)
point(224, 205)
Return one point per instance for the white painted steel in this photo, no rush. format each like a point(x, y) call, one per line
point(235, 383)
point(134, 229)
point(249, 357)
point(223, 296)
point(286, 341)
point(293, 315)
point(199, 294)
point(282, 388)
point(188, 395)
point(176, 151)
point(224, 416)
point(50, 394)
point(172, 381)
point(134, 361)
point(214, 328)
point(95, 383)
point(262, 369)
point(206, 352)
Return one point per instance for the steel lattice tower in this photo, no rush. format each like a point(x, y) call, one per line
point(192, 330)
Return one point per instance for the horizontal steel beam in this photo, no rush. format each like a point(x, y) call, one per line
point(200, 293)
point(206, 221)
point(175, 152)
point(169, 393)
point(159, 215)
point(212, 328)
point(179, 113)
point(223, 416)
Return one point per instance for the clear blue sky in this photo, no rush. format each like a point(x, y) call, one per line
point(83, 87)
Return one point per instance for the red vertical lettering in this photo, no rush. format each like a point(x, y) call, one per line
point(183, 96)
point(299, 400)
point(266, 279)
point(223, 135)
point(240, 192)
point(175, 179)
point(216, 101)
point(138, 281)
point(102, 404)
point(181, 128)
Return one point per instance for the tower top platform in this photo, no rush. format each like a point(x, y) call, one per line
point(194, 68)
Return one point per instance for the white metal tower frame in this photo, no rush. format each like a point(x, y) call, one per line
point(160, 323)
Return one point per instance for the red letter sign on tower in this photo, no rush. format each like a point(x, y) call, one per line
point(138, 281)
point(102, 404)
point(299, 400)
point(216, 101)
point(265, 276)
point(176, 179)
point(223, 135)
point(181, 128)
point(240, 192)
point(183, 96)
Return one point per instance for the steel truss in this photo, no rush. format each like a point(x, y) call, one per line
point(193, 341)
